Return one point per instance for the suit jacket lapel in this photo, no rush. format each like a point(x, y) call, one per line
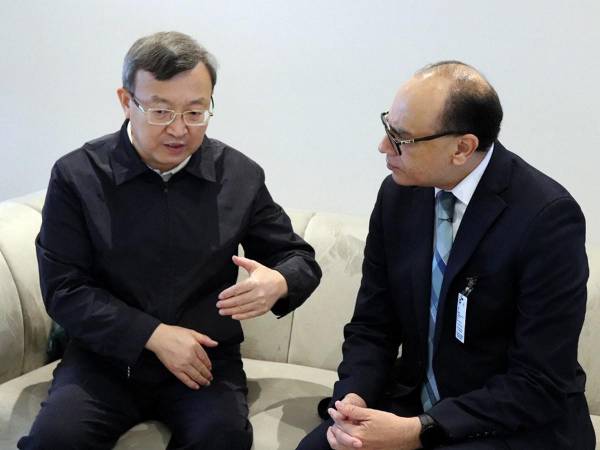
point(422, 251)
point(483, 210)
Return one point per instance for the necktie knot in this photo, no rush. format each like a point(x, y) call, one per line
point(445, 205)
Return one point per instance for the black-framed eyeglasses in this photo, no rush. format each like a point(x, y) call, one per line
point(164, 117)
point(397, 142)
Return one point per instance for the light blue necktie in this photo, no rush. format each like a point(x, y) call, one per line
point(444, 212)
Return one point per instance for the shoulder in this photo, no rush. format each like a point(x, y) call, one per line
point(531, 188)
point(231, 163)
point(80, 162)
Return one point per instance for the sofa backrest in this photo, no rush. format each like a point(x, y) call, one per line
point(311, 336)
point(589, 342)
point(25, 325)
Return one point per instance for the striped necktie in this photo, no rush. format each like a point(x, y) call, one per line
point(444, 212)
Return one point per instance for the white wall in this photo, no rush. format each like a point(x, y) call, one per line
point(301, 84)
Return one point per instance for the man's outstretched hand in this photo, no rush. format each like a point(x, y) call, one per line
point(254, 296)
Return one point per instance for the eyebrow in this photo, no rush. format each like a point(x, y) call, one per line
point(198, 101)
point(399, 131)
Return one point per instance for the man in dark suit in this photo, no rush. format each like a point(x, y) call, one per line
point(475, 272)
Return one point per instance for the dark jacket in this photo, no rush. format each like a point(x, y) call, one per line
point(121, 251)
point(516, 377)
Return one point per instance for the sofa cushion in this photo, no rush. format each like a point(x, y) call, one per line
point(267, 337)
point(19, 224)
point(317, 335)
point(11, 325)
point(282, 397)
point(590, 335)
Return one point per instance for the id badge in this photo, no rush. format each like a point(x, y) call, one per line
point(461, 317)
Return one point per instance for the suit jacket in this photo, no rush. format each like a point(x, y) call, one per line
point(516, 376)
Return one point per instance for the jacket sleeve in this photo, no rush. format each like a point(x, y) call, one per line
point(73, 298)
point(542, 359)
point(372, 337)
point(271, 241)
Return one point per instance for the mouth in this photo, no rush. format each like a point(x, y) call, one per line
point(175, 147)
point(391, 166)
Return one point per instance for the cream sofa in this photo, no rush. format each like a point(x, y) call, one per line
point(290, 362)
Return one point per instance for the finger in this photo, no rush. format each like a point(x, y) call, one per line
point(245, 263)
point(241, 309)
point(186, 380)
point(248, 315)
point(236, 289)
point(205, 340)
point(204, 369)
point(337, 416)
point(354, 399)
point(198, 373)
point(242, 298)
point(331, 438)
point(345, 439)
point(353, 412)
point(203, 357)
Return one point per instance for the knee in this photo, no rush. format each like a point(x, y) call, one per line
point(316, 439)
point(53, 433)
point(219, 432)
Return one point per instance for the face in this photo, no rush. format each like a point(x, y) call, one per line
point(415, 113)
point(165, 146)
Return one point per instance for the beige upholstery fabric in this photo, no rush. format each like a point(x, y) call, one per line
point(34, 200)
point(317, 336)
point(283, 401)
point(11, 326)
point(19, 225)
point(589, 342)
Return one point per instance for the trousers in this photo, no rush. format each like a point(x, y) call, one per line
point(90, 405)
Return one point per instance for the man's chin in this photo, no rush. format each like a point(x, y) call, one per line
point(401, 180)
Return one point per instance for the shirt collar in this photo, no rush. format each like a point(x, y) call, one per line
point(127, 163)
point(464, 190)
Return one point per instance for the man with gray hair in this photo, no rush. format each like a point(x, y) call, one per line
point(475, 267)
point(138, 263)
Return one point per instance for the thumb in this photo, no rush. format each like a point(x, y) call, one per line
point(205, 340)
point(352, 412)
point(249, 264)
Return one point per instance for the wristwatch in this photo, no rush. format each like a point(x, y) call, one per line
point(432, 434)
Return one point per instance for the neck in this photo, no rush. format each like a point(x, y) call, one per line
point(462, 171)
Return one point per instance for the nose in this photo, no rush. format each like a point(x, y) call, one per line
point(386, 147)
point(178, 126)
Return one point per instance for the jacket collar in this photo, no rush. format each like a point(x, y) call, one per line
point(127, 164)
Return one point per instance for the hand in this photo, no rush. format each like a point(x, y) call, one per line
point(254, 296)
point(336, 435)
point(180, 350)
point(373, 429)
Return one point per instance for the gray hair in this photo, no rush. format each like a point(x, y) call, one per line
point(164, 55)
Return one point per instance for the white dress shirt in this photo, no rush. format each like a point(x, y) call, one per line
point(464, 190)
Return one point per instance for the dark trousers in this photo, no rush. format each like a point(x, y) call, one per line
point(90, 405)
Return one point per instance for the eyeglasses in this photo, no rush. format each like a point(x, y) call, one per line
point(164, 117)
point(397, 142)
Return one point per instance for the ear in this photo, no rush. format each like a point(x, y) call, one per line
point(125, 100)
point(465, 147)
